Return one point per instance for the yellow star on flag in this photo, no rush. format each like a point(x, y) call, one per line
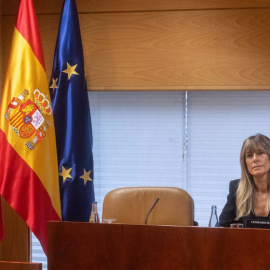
point(65, 173)
point(54, 84)
point(70, 70)
point(86, 176)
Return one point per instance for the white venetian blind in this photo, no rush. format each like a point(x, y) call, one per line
point(218, 123)
point(139, 140)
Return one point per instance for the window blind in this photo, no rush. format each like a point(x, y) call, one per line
point(218, 123)
point(139, 139)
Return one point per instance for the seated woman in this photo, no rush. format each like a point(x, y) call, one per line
point(249, 196)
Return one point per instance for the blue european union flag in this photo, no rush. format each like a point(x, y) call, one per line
point(72, 119)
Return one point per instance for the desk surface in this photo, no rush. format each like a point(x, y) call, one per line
point(74, 245)
point(9, 265)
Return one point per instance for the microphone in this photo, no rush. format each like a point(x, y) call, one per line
point(151, 210)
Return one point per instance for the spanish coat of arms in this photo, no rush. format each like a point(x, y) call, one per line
point(26, 117)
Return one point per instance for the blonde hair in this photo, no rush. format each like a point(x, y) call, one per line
point(246, 188)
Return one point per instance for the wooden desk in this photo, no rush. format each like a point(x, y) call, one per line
point(8, 265)
point(80, 246)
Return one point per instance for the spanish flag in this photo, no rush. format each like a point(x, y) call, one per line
point(28, 157)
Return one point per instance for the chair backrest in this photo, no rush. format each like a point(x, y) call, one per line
point(10, 265)
point(131, 206)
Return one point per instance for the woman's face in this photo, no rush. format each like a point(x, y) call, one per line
point(258, 163)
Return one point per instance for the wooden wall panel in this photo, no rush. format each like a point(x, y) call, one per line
point(174, 50)
point(54, 6)
point(20, 266)
point(178, 50)
point(15, 245)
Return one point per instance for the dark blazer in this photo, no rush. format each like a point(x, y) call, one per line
point(228, 213)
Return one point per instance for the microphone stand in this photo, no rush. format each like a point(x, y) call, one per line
point(151, 210)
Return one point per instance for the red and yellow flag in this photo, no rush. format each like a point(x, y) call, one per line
point(28, 157)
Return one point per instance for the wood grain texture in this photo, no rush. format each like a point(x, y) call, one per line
point(5, 265)
point(15, 244)
point(224, 49)
point(118, 246)
point(54, 6)
point(177, 49)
